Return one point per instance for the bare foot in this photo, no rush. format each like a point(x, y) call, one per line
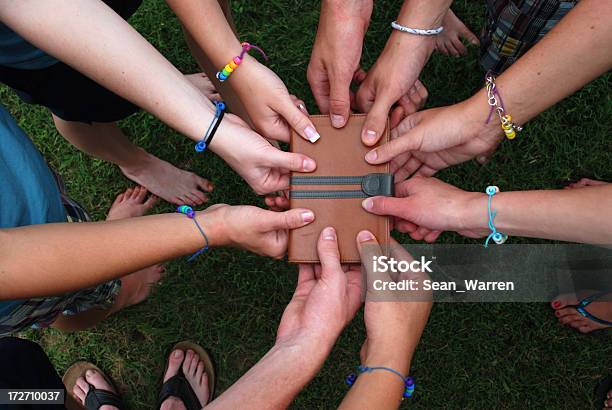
point(168, 182)
point(131, 203)
point(569, 316)
point(448, 42)
point(95, 379)
point(136, 287)
point(203, 83)
point(193, 369)
point(585, 182)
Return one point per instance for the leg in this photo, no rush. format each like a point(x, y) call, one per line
point(106, 141)
point(135, 287)
point(229, 96)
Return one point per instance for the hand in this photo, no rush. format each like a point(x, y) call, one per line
point(425, 207)
point(394, 319)
point(269, 104)
point(265, 168)
point(388, 82)
point(326, 297)
point(336, 54)
point(438, 138)
point(254, 229)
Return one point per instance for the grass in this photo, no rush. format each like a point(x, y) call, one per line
point(471, 355)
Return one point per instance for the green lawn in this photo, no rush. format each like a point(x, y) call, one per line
point(471, 355)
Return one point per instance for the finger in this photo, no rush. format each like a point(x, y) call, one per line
point(376, 121)
point(404, 226)
point(422, 90)
point(319, 84)
point(411, 166)
point(411, 141)
point(384, 205)
point(282, 202)
point(339, 100)
point(459, 46)
point(294, 218)
point(397, 115)
point(432, 236)
point(329, 255)
point(299, 103)
point(407, 104)
point(369, 252)
point(426, 171)
point(305, 273)
point(416, 99)
point(298, 121)
point(276, 158)
point(359, 76)
point(420, 233)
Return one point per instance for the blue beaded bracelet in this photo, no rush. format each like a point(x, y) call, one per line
point(190, 213)
point(498, 237)
point(212, 128)
point(409, 384)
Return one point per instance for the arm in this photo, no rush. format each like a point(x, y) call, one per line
point(576, 51)
point(264, 95)
point(395, 321)
point(399, 65)
point(428, 205)
point(100, 44)
point(322, 305)
point(52, 259)
point(336, 54)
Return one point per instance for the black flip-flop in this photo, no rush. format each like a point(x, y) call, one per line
point(178, 386)
point(95, 398)
point(601, 392)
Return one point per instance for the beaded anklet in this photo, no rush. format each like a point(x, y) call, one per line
point(409, 384)
point(498, 237)
point(230, 67)
point(190, 213)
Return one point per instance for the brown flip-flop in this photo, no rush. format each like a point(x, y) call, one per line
point(96, 398)
point(178, 386)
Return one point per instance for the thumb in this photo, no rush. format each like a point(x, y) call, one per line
point(298, 120)
point(384, 205)
point(376, 121)
point(339, 101)
point(329, 255)
point(277, 158)
point(370, 251)
point(412, 140)
point(292, 219)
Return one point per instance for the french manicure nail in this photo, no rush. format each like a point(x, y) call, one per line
point(337, 120)
point(308, 165)
point(371, 156)
point(307, 216)
point(365, 236)
point(367, 204)
point(329, 234)
point(369, 136)
point(311, 134)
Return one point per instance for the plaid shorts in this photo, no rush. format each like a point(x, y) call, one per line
point(512, 27)
point(42, 312)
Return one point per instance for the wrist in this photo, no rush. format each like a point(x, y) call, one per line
point(474, 214)
point(395, 357)
point(476, 112)
point(213, 225)
point(307, 348)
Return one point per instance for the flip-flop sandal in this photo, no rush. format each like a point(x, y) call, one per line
point(601, 391)
point(95, 398)
point(178, 386)
point(581, 308)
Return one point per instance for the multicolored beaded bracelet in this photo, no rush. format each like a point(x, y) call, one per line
point(409, 384)
point(212, 128)
point(230, 67)
point(190, 213)
point(498, 237)
point(497, 105)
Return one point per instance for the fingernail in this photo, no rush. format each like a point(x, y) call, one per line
point(177, 354)
point(364, 236)
point(308, 165)
point(367, 204)
point(369, 136)
point(481, 159)
point(371, 156)
point(307, 216)
point(329, 234)
point(312, 134)
point(337, 120)
point(90, 373)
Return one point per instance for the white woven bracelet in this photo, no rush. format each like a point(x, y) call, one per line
point(419, 32)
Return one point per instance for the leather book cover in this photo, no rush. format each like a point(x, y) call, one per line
point(335, 190)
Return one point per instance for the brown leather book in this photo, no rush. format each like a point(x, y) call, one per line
point(335, 190)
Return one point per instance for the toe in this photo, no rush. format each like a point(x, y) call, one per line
point(193, 367)
point(199, 372)
point(566, 312)
point(564, 300)
point(198, 197)
point(83, 386)
point(78, 391)
point(118, 200)
point(205, 185)
point(97, 380)
point(151, 201)
point(128, 193)
point(136, 193)
point(204, 383)
point(565, 320)
point(187, 361)
point(141, 194)
point(174, 363)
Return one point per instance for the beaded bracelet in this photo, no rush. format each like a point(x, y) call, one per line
point(409, 384)
point(497, 105)
point(417, 31)
point(190, 213)
point(212, 128)
point(230, 67)
point(498, 237)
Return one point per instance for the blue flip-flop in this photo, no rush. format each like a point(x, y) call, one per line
point(581, 308)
